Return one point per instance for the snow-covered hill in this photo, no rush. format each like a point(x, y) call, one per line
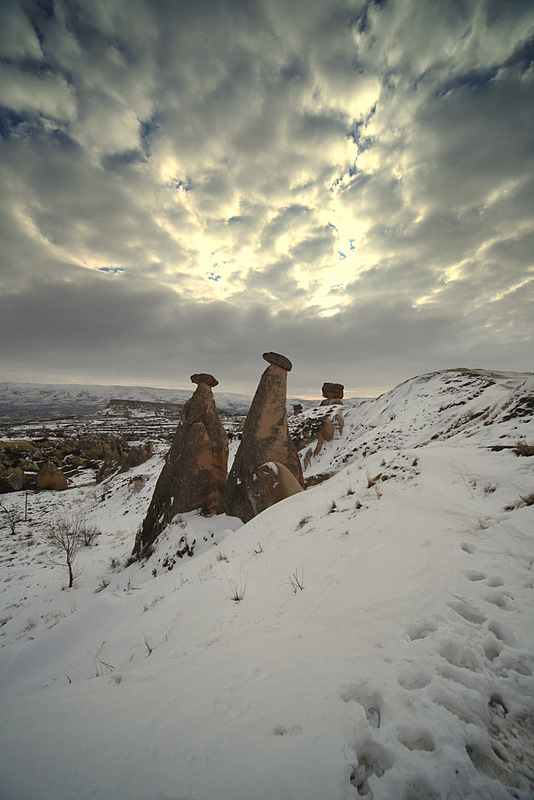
point(22, 401)
point(34, 400)
point(371, 636)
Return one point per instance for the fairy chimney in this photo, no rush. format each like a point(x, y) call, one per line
point(266, 467)
point(194, 473)
point(333, 394)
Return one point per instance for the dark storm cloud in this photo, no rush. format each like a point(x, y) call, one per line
point(349, 183)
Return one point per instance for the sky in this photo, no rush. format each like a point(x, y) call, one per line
point(185, 186)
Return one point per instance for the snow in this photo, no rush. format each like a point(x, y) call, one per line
point(399, 665)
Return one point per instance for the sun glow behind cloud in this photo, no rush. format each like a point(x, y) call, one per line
point(269, 176)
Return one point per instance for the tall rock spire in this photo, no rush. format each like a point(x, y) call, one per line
point(194, 473)
point(266, 467)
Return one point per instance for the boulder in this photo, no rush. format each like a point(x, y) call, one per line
point(265, 439)
point(333, 394)
point(11, 479)
point(50, 477)
point(194, 473)
point(272, 482)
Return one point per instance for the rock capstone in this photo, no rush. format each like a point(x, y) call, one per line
point(204, 377)
point(278, 360)
point(194, 473)
point(250, 487)
point(333, 394)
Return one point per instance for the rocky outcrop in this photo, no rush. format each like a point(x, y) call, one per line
point(137, 456)
point(123, 408)
point(330, 425)
point(22, 460)
point(50, 477)
point(194, 473)
point(252, 484)
point(333, 394)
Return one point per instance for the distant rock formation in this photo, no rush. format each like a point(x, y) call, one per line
point(123, 408)
point(266, 467)
point(21, 461)
point(297, 408)
point(195, 469)
point(50, 477)
point(326, 432)
point(333, 394)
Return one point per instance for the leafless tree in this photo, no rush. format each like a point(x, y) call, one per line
point(11, 515)
point(65, 535)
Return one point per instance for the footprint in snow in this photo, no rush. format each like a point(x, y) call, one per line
point(371, 702)
point(294, 730)
point(372, 760)
point(420, 630)
point(467, 547)
point(501, 600)
point(417, 739)
point(468, 612)
point(475, 575)
point(412, 679)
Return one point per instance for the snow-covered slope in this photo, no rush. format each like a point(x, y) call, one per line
point(488, 409)
point(381, 646)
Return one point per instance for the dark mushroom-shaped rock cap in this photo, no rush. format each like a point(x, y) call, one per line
point(204, 377)
point(278, 360)
point(333, 390)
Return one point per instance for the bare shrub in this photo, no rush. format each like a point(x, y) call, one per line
point(524, 449)
point(296, 580)
point(371, 481)
point(88, 533)
point(238, 589)
point(12, 516)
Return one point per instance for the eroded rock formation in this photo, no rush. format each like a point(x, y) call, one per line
point(194, 473)
point(50, 477)
point(266, 467)
point(333, 394)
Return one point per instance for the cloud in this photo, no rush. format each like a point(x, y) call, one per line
point(349, 183)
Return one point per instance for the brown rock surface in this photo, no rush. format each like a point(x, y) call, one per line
point(11, 479)
point(273, 482)
point(194, 472)
point(50, 477)
point(265, 438)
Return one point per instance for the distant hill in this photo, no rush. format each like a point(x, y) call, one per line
point(20, 401)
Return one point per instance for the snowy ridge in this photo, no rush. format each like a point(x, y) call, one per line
point(31, 400)
point(369, 637)
point(489, 409)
